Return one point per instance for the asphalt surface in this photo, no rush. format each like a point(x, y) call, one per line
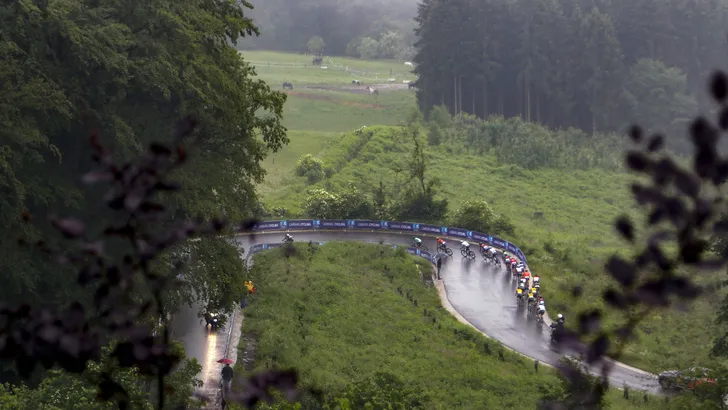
point(483, 294)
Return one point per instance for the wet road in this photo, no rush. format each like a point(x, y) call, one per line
point(482, 294)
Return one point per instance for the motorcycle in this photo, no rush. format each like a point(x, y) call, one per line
point(287, 239)
point(213, 319)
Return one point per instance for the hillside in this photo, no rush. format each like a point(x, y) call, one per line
point(346, 311)
point(563, 221)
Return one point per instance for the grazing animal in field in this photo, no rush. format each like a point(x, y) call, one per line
point(411, 85)
point(391, 80)
point(408, 64)
point(405, 81)
point(323, 67)
point(357, 82)
point(317, 61)
point(287, 85)
point(372, 91)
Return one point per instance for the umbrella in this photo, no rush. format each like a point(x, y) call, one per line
point(225, 361)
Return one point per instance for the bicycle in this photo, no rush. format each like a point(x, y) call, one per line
point(445, 249)
point(467, 253)
point(420, 246)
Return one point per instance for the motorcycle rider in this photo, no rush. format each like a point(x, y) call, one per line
point(288, 238)
point(558, 328)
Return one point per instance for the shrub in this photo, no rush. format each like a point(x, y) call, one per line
point(310, 167)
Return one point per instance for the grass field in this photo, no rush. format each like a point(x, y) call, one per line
point(314, 116)
point(348, 310)
point(275, 68)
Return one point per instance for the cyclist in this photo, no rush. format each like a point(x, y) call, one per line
point(465, 245)
point(519, 295)
point(440, 243)
point(536, 280)
point(527, 276)
point(505, 257)
point(519, 270)
point(522, 283)
point(513, 264)
point(531, 301)
point(534, 290)
point(491, 252)
point(541, 309)
point(418, 242)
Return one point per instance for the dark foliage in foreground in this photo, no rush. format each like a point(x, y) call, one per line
point(127, 293)
point(684, 208)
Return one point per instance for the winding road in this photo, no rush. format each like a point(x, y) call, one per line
point(481, 293)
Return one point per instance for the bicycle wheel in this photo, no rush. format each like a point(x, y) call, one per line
point(471, 254)
point(424, 248)
point(448, 251)
point(463, 252)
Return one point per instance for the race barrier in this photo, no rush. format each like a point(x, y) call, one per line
point(392, 226)
point(266, 246)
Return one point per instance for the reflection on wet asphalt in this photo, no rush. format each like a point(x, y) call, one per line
point(483, 294)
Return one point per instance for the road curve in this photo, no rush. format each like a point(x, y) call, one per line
point(481, 293)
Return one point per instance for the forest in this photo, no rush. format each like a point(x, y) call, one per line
point(367, 29)
point(594, 65)
point(125, 72)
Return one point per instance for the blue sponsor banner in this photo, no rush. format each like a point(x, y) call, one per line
point(498, 242)
point(460, 233)
point(365, 224)
point(520, 255)
point(331, 224)
point(480, 237)
point(399, 226)
point(431, 228)
point(269, 225)
point(511, 247)
point(300, 224)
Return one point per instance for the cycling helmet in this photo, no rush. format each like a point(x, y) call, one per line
point(560, 316)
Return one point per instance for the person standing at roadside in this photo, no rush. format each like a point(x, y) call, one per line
point(439, 265)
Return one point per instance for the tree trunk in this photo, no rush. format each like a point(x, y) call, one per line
point(527, 85)
point(485, 99)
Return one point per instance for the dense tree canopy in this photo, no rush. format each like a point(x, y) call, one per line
point(369, 29)
point(570, 63)
point(127, 71)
